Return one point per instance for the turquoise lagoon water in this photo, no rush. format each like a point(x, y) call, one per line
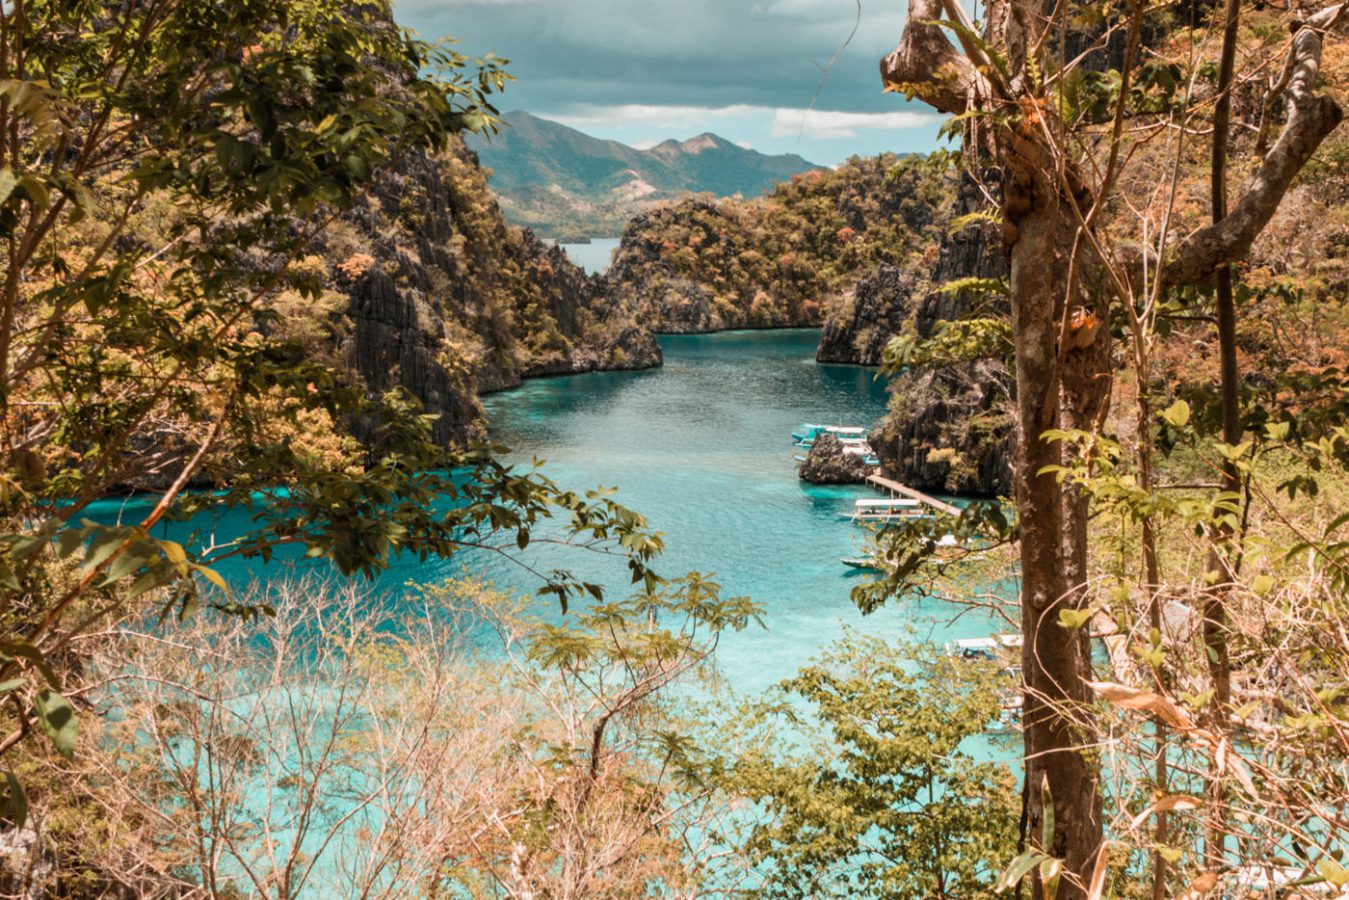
point(702, 448)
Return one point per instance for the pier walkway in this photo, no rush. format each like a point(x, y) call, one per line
point(894, 487)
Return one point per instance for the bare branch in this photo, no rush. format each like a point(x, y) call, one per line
point(1311, 118)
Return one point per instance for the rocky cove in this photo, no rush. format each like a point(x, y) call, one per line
point(435, 294)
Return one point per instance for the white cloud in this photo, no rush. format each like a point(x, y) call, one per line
point(745, 145)
point(786, 122)
point(824, 123)
point(675, 117)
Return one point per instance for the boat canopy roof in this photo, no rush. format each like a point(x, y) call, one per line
point(867, 503)
point(833, 429)
point(989, 643)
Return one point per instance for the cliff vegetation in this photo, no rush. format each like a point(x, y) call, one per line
point(789, 259)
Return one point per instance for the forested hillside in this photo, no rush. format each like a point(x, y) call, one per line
point(787, 260)
point(434, 292)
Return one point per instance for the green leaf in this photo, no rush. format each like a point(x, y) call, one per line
point(18, 648)
point(1332, 871)
point(978, 287)
point(35, 191)
point(12, 684)
point(994, 56)
point(174, 552)
point(16, 801)
point(146, 582)
point(56, 715)
point(215, 578)
point(1277, 431)
point(1019, 868)
point(1073, 619)
point(68, 541)
point(104, 545)
point(1177, 414)
point(1047, 832)
point(979, 217)
point(7, 183)
point(1050, 871)
point(129, 561)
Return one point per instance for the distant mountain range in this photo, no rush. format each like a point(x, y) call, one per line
point(564, 183)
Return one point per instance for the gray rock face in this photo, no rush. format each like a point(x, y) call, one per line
point(949, 430)
point(449, 303)
point(395, 342)
point(972, 252)
point(828, 464)
point(859, 331)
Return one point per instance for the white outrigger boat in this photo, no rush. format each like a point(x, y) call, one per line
point(985, 647)
point(887, 510)
point(873, 562)
point(845, 433)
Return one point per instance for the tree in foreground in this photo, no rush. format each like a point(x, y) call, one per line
point(166, 164)
point(1054, 136)
point(452, 744)
point(885, 797)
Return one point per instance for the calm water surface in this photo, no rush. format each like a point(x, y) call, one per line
point(702, 448)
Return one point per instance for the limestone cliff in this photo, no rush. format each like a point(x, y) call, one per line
point(873, 312)
point(442, 298)
point(948, 429)
point(784, 260)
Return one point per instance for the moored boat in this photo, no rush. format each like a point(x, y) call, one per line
point(887, 510)
point(984, 647)
point(845, 433)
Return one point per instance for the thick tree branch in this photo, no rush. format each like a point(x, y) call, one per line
point(1311, 118)
point(926, 64)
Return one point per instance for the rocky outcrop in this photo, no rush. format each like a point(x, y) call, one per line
point(781, 260)
point(875, 311)
point(949, 430)
point(395, 341)
point(826, 463)
point(442, 299)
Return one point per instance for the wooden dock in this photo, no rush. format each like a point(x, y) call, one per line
point(894, 487)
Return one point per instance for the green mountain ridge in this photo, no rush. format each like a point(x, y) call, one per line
point(563, 183)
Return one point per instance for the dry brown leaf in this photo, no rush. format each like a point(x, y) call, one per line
point(1166, 804)
point(1096, 885)
point(1132, 698)
point(1200, 886)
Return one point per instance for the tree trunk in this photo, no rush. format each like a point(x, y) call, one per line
point(1220, 554)
point(1052, 544)
point(1063, 379)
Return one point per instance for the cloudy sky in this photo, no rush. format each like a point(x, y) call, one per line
point(640, 71)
